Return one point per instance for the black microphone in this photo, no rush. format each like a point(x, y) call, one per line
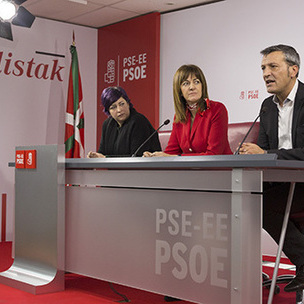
point(164, 123)
point(263, 110)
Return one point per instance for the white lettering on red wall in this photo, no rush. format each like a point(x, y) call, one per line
point(134, 67)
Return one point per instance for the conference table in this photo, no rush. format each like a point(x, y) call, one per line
point(187, 227)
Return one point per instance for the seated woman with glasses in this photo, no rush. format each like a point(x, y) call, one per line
point(125, 129)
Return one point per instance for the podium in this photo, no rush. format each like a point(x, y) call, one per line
point(38, 265)
point(187, 227)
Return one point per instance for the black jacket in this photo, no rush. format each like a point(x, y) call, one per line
point(268, 134)
point(125, 140)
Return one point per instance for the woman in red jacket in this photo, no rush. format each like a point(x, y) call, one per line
point(200, 125)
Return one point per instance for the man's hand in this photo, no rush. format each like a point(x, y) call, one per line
point(249, 148)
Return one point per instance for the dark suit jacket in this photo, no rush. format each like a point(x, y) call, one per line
point(268, 134)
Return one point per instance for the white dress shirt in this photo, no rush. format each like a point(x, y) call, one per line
point(285, 118)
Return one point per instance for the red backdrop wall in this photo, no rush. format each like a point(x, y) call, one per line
point(128, 56)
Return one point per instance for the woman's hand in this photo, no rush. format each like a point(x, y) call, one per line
point(95, 155)
point(156, 154)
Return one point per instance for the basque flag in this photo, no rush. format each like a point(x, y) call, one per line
point(74, 120)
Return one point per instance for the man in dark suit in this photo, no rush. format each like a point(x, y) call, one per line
point(282, 132)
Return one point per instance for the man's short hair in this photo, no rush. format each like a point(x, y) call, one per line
point(291, 55)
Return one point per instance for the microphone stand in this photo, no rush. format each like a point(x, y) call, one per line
point(164, 123)
point(240, 145)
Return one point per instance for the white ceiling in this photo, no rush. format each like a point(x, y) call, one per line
point(98, 13)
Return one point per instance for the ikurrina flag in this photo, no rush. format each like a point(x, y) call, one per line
point(74, 121)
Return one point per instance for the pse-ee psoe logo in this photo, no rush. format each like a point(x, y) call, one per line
point(25, 159)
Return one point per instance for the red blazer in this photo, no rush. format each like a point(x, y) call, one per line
point(208, 135)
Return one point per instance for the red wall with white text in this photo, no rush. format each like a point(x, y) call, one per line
point(128, 56)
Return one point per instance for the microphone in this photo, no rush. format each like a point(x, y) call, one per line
point(164, 123)
point(263, 110)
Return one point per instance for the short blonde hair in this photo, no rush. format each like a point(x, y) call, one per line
point(180, 76)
